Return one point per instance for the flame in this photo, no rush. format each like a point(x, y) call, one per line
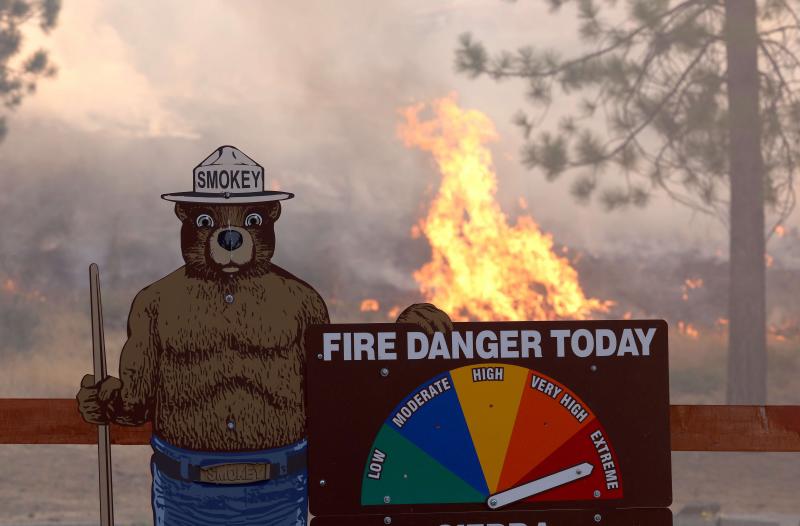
point(695, 283)
point(690, 284)
point(687, 329)
point(784, 330)
point(10, 286)
point(370, 305)
point(768, 260)
point(394, 312)
point(780, 230)
point(482, 267)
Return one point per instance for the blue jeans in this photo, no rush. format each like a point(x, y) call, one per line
point(282, 501)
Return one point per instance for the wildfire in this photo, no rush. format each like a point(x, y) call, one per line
point(694, 283)
point(691, 284)
point(370, 305)
point(784, 330)
point(687, 329)
point(482, 267)
point(11, 286)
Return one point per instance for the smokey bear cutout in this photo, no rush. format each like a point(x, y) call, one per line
point(215, 359)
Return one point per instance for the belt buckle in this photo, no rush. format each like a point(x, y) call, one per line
point(237, 473)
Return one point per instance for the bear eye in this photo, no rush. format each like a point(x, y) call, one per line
point(204, 221)
point(253, 219)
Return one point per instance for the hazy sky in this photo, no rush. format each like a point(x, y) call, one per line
point(310, 89)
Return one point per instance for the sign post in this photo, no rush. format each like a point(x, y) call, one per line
point(496, 423)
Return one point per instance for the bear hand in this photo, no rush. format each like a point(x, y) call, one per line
point(95, 399)
point(427, 317)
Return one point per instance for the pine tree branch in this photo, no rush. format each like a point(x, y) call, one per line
point(791, 11)
point(775, 67)
point(789, 202)
point(684, 199)
point(660, 106)
point(651, 56)
point(782, 48)
point(659, 73)
point(626, 40)
point(783, 30)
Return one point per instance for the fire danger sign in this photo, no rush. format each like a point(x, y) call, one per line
point(493, 418)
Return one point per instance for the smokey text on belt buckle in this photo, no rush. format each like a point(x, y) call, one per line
point(239, 473)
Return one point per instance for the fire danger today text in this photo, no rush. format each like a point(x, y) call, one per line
point(487, 344)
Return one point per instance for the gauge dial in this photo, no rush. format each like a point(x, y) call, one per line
point(493, 433)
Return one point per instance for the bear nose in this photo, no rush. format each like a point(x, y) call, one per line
point(229, 239)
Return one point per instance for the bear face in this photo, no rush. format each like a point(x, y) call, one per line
point(218, 240)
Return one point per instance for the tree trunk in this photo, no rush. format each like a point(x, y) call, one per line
point(747, 356)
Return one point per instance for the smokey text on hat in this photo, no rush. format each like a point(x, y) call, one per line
point(214, 180)
point(228, 170)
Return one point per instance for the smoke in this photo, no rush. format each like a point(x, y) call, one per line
point(145, 91)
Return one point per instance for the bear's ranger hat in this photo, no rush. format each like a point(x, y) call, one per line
point(228, 176)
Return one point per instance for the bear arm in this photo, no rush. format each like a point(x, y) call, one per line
point(320, 311)
point(133, 404)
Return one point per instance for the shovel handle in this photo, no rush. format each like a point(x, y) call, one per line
point(103, 438)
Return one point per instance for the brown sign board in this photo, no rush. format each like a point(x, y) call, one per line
point(633, 517)
point(494, 418)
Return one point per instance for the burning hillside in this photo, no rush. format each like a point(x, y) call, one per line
point(483, 267)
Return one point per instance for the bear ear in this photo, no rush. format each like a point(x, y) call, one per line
point(181, 212)
point(274, 211)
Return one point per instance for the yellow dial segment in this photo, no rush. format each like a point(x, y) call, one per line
point(489, 395)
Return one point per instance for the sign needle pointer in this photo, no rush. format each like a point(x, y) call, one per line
point(540, 485)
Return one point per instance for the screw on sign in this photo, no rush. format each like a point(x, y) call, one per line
point(500, 423)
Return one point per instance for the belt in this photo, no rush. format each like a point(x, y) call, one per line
point(230, 472)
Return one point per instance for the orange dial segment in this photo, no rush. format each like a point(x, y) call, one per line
point(549, 414)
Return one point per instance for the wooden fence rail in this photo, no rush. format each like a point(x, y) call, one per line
point(693, 427)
